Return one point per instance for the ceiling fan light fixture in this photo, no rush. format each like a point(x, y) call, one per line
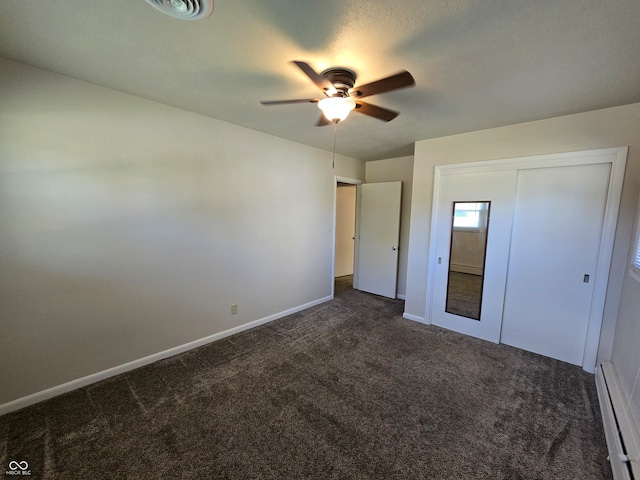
point(336, 109)
point(184, 9)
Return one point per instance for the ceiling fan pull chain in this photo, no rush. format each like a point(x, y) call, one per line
point(335, 129)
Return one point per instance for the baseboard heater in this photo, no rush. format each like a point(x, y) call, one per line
point(623, 438)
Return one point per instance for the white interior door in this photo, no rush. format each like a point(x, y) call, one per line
point(556, 234)
point(378, 235)
point(494, 187)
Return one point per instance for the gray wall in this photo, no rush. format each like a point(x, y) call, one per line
point(612, 127)
point(129, 227)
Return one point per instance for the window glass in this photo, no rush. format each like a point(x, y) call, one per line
point(468, 214)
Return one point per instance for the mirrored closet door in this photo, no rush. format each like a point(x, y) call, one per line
point(523, 249)
point(474, 221)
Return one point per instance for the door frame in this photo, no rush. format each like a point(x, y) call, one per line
point(617, 158)
point(351, 181)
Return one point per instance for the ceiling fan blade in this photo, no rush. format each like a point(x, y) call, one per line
point(380, 113)
point(399, 80)
point(284, 102)
point(322, 121)
point(321, 82)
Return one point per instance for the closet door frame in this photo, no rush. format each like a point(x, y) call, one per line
point(616, 156)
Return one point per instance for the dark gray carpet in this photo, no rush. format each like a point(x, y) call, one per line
point(344, 390)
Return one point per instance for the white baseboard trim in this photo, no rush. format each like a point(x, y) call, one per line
point(623, 438)
point(459, 267)
point(141, 362)
point(401, 297)
point(415, 318)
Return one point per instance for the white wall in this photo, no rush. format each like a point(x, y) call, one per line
point(393, 170)
point(345, 229)
point(129, 227)
point(610, 127)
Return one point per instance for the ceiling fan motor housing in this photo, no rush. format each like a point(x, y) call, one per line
point(184, 9)
point(342, 79)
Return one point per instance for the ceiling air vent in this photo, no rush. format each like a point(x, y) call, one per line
point(184, 9)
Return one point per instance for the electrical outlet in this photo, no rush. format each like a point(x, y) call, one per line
point(234, 309)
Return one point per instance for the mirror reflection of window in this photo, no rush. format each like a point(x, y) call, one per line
point(469, 227)
point(470, 215)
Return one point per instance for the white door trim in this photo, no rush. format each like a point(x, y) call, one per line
point(604, 259)
point(617, 158)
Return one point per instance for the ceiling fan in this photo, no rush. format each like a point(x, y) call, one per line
point(341, 96)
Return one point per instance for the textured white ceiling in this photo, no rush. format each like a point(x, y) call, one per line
point(477, 63)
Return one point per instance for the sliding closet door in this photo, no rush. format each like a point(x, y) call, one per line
point(555, 240)
point(472, 245)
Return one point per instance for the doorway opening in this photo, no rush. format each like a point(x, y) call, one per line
point(344, 230)
point(373, 241)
